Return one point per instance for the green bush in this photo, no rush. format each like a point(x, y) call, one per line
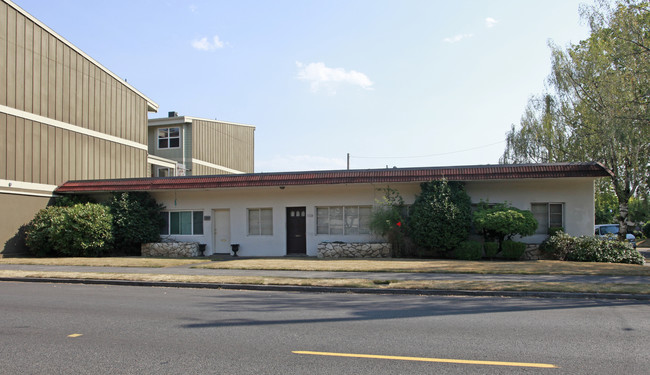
point(469, 250)
point(80, 230)
point(71, 200)
point(558, 246)
point(136, 220)
point(440, 216)
point(646, 230)
point(38, 231)
point(491, 249)
point(502, 222)
point(512, 249)
point(590, 249)
point(554, 230)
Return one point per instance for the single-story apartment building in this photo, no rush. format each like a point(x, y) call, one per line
point(290, 213)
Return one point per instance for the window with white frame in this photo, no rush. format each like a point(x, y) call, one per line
point(182, 222)
point(344, 220)
point(260, 221)
point(169, 138)
point(548, 215)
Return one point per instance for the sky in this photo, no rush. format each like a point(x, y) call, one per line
point(392, 83)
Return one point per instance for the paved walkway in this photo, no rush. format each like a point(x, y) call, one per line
point(187, 270)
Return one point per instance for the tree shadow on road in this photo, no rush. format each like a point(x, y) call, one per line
point(281, 308)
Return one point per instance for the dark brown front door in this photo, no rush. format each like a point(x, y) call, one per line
point(296, 231)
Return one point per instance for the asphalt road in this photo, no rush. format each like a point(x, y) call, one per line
point(94, 329)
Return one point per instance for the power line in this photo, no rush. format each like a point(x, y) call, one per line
point(427, 156)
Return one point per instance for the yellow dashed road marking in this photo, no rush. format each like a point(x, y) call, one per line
point(422, 359)
point(75, 335)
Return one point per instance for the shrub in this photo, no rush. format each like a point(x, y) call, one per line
point(440, 216)
point(558, 246)
point(554, 230)
point(646, 230)
point(512, 249)
point(136, 220)
point(491, 249)
point(502, 222)
point(38, 231)
point(71, 200)
point(469, 250)
point(80, 230)
point(387, 220)
point(590, 249)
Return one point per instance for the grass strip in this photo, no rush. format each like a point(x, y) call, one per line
point(350, 283)
point(538, 267)
point(106, 261)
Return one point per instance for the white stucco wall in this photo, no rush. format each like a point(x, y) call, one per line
point(576, 194)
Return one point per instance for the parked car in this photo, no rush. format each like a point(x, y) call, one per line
point(611, 231)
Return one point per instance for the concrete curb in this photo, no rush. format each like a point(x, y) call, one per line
point(319, 289)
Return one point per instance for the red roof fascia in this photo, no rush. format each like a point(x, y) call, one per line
point(395, 175)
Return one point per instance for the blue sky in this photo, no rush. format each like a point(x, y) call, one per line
point(394, 83)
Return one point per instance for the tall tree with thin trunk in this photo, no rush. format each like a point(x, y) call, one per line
point(599, 108)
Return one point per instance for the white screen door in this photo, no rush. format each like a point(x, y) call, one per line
point(221, 231)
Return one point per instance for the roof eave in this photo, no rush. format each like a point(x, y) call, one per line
point(372, 176)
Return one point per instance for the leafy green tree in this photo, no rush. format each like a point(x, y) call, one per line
point(600, 107)
point(502, 222)
point(640, 209)
point(136, 220)
point(606, 203)
point(441, 216)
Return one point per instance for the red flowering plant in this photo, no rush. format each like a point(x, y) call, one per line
point(387, 219)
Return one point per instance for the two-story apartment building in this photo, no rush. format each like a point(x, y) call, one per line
point(184, 146)
point(63, 116)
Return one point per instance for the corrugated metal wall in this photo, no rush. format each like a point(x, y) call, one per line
point(42, 75)
point(229, 145)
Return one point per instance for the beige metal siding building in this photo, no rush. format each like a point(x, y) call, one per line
point(200, 146)
point(63, 116)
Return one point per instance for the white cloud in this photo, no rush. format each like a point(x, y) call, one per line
point(457, 38)
point(293, 163)
point(490, 22)
point(320, 76)
point(193, 8)
point(204, 44)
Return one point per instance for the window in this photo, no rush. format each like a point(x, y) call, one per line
point(169, 138)
point(548, 215)
point(182, 222)
point(164, 172)
point(345, 220)
point(260, 221)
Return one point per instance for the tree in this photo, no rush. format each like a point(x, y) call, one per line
point(606, 203)
point(502, 222)
point(600, 107)
point(440, 216)
point(136, 220)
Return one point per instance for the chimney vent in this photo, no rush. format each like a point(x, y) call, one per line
point(173, 114)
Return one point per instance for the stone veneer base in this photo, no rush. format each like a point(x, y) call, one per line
point(170, 249)
point(353, 250)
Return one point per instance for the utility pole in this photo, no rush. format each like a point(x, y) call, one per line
point(348, 161)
